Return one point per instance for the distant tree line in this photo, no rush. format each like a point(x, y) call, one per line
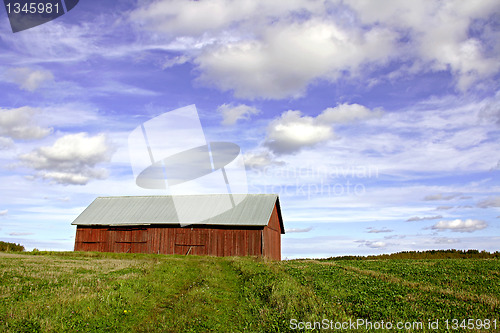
point(6, 246)
point(430, 254)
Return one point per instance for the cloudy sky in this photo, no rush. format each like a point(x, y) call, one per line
point(377, 123)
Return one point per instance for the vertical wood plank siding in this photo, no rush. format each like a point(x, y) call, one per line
point(272, 237)
point(196, 240)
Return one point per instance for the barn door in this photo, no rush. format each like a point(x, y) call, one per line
point(91, 239)
point(130, 240)
point(189, 241)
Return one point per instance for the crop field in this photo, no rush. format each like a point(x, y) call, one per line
point(103, 292)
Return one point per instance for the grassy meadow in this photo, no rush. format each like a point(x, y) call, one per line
point(104, 292)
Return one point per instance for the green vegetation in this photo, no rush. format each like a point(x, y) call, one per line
point(6, 247)
point(430, 254)
point(105, 292)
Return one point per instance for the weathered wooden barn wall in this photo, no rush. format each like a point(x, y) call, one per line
point(272, 237)
point(229, 238)
point(197, 240)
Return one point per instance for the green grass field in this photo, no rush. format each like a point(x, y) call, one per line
point(98, 292)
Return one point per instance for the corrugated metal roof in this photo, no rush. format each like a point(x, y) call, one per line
point(253, 210)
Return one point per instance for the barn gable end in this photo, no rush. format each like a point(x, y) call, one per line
point(147, 225)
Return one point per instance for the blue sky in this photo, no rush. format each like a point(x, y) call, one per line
point(378, 124)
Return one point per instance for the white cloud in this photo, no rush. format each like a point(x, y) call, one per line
point(293, 230)
point(261, 159)
point(21, 233)
point(292, 131)
point(327, 246)
point(490, 112)
point(58, 42)
point(72, 159)
point(4, 212)
point(72, 114)
point(116, 87)
point(231, 114)
point(27, 78)
point(296, 43)
point(286, 57)
point(416, 218)
point(372, 230)
point(345, 113)
point(400, 157)
point(275, 55)
point(490, 202)
point(195, 18)
point(459, 225)
point(444, 207)
point(72, 178)
point(171, 62)
point(439, 34)
point(440, 196)
point(395, 237)
point(20, 124)
point(6, 143)
point(279, 54)
point(375, 244)
point(446, 240)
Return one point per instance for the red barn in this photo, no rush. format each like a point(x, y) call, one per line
point(150, 224)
